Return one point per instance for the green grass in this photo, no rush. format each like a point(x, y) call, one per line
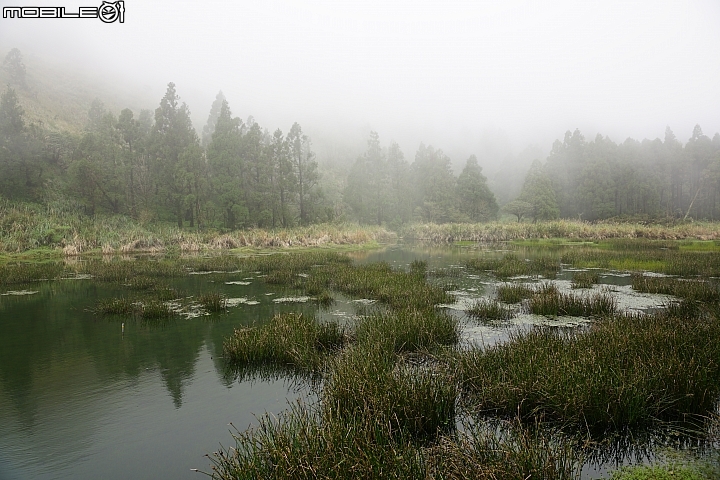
point(511, 266)
point(148, 309)
point(514, 292)
point(408, 329)
point(489, 309)
point(13, 273)
point(624, 371)
point(294, 341)
point(700, 290)
point(659, 472)
point(504, 449)
point(366, 380)
point(213, 302)
point(567, 230)
point(307, 442)
point(584, 279)
point(561, 304)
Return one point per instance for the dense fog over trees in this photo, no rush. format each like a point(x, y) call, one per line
point(238, 174)
point(285, 114)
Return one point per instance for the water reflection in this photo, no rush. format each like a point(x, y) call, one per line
point(79, 398)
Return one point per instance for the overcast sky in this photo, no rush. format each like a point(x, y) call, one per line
point(445, 73)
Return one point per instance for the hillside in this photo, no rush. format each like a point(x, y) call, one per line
point(59, 96)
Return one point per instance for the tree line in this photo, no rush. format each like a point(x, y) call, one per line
point(236, 174)
point(652, 179)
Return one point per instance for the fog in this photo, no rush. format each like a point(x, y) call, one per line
point(482, 77)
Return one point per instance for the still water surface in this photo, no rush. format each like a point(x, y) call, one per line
point(81, 399)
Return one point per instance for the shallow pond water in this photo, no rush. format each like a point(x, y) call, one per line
point(83, 398)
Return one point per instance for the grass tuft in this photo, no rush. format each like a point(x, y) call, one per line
point(296, 341)
point(584, 279)
point(489, 309)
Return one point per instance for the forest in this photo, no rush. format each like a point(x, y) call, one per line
point(235, 174)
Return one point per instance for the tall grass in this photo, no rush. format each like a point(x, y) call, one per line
point(505, 449)
point(511, 266)
point(148, 309)
point(489, 309)
point(701, 290)
point(296, 341)
point(514, 292)
point(11, 273)
point(365, 380)
point(584, 279)
point(304, 444)
point(626, 370)
point(558, 303)
point(62, 226)
point(307, 443)
point(408, 329)
point(493, 232)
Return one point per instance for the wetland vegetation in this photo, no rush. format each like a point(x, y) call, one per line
point(533, 400)
point(398, 390)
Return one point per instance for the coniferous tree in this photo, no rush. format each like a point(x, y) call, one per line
point(175, 157)
point(434, 185)
point(209, 127)
point(539, 193)
point(304, 167)
point(15, 67)
point(226, 169)
point(476, 200)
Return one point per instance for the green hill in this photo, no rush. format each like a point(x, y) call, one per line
point(59, 96)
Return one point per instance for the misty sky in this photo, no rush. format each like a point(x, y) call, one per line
point(445, 73)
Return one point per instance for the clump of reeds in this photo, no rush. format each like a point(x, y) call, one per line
point(116, 306)
point(451, 272)
point(155, 310)
point(625, 370)
point(584, 279)
point(166, 294)
point(418, 267)
point(24, 272)
point(313, 443)
point(306, 444)
point(490, 309)
point(700, 290)
point(505, 449)
point(324, 298)
point(514, 292)
point(213, 301)
point(408, 329)
point(152, 309)
point(365, 381)
point(128, 271)
point(291, 340)
point(511, 265)
point(558, 304)
point(141, 283)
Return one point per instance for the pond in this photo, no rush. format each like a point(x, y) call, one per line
point(89, 396)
